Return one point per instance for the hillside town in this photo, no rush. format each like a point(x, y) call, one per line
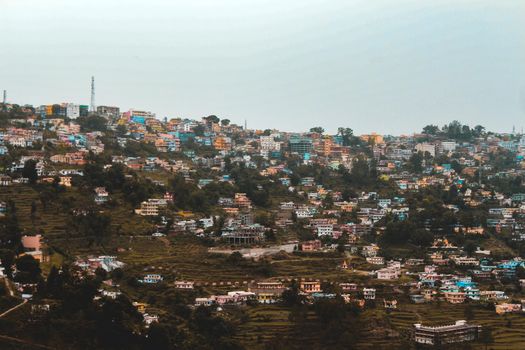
point(183, 230)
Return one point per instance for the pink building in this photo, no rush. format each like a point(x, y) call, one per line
point(32, 243)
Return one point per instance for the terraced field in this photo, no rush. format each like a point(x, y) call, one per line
point(52, 222)
point(187, 258)
point(508, 330)
point(382, 330)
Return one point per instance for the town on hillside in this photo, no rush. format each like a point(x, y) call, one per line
point(123, 229)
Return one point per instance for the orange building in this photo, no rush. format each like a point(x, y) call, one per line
point(222, 143)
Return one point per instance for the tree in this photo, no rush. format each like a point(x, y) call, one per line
point(199, 130)
point(478, 130)
point(468, 312)
point(93, 225)
point(225, 122)
point(330, 310)
point(291, 296)
point(29, 171)
point(7, 258)
point(486, 336)
point(520, 272)
point(92, 123)
point(28, 269)
point(33, 208)
point(415, 163)
point(158, 337)
point(397, 232)
point(346, 134)
point(212, 119)
point(421, 237)
point(10, 229)
point(317, 129)
point(470, 247)
point(360, 173)
point(235, 258)
point(431, 129)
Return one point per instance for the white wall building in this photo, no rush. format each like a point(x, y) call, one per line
point(72, 110)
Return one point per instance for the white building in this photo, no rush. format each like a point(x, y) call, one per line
point(325, 230)
point(369, 293)
point(426, 147)
point(268, 144)
point(375, 260)
point(448, 146)
point(388, 274)
point(72, 110)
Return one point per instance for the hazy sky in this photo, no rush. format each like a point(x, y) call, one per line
point(372, 65)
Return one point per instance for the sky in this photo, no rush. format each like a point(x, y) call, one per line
point(374, 66)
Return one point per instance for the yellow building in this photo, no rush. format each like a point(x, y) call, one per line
point(373, 137)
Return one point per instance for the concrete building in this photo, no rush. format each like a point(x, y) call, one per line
point(301, 145)
point(310, 287)
point(459, 332)
point(108, 111)
point(426, 147)
point(268, 145)
point(72, 110)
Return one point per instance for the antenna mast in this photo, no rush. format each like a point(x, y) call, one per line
point(92, 106)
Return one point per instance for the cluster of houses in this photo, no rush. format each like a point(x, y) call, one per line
point(52, 137)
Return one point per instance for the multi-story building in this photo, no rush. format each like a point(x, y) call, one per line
point(324, 230)
point(222, 143)
point(309, 246)
point(108, 111)
point(300, 145)
point(447, 146)
point(369, 293)
point(242, 201)
point(151, 207)
point(388, 273)
point(426, 147)
point(459, 332)
point(184, 284)
point(72, 110)
point(373, 138)
point(72, 158)
point(310, 286)
point(268, 145)
point(84, 110)
point(136, 116)
point(455, 297)
point(375, 260)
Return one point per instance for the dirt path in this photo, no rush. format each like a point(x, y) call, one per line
point(8, 286)
point(25, 342)
point(13, 308)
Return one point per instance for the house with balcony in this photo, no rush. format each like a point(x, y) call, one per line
point(369, 293)
point(185, 285)
point(152, 279)
point(459, 332)
point(101, 195)
point(310, 286)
